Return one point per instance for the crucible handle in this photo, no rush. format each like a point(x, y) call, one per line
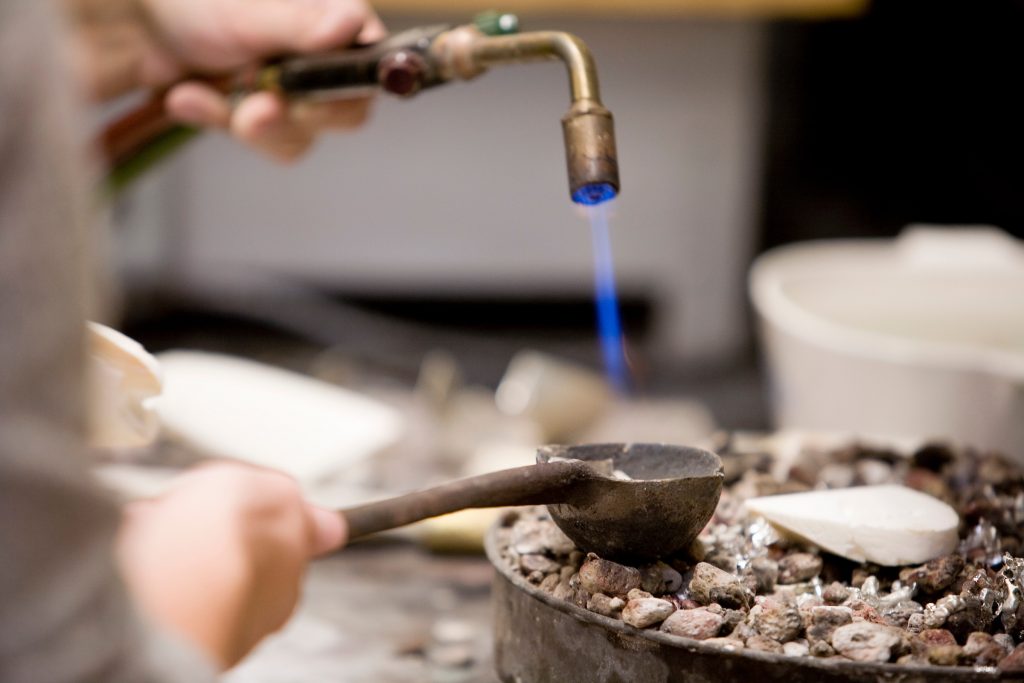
point(531, 485)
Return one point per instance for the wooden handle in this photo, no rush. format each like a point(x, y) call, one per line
point(531, 485)
point(125, 136)
point(133, 130)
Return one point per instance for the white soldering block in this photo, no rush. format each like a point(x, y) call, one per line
point(888, 525)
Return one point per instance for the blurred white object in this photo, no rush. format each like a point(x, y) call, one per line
point(124, 381)
point(233, 408)
point(652, 420)
point(788, 446)
point(561, 397)
point(493, 455)
point(922, 336)
point(887, 525)
point(470, 419)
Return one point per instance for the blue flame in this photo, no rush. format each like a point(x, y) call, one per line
point(608, 323)
point(594, 194)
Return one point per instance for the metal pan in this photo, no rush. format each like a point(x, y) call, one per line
point(539, 638)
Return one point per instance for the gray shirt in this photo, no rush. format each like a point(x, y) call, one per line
point(64, 613)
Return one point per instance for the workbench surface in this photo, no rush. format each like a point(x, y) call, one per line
point(379, 613)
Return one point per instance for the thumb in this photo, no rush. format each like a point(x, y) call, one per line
point(329, 531)
point(269, 27)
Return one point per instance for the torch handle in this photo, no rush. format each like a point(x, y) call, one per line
point(337, 74)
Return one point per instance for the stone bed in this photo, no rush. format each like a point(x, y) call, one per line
point(743, 586)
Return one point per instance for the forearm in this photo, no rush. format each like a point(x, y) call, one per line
point(115, 49)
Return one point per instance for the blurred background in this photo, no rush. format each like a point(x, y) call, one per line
point(741, 126)
point(445, 223)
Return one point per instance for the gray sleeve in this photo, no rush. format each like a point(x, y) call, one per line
point(65, 616)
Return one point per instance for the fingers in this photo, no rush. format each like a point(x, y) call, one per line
point(269, 27)
point(265, 489)
point(220, 556)
point(373, 29)
point(198, 104)
point(328, 531)
point(264, 120)
point(339, 115)
point(273, 26)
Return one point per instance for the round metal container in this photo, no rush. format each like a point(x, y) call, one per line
point(541, 639)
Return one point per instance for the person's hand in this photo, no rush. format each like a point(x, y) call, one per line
point(128, 44)
point(219, 558)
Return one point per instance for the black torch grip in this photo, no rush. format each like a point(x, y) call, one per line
point(356, 67)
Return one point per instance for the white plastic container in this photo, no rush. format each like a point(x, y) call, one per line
point(921, 336)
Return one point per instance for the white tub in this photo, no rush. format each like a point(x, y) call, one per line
point(921, 336)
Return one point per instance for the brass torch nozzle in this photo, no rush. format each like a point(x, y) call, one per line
point(590, 152)
point(588, 128)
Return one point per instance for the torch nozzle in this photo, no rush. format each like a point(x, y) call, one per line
point(590, 153)
point(588, 127)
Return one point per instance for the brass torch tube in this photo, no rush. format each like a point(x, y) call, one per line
point(535, 45)
point(587, 127)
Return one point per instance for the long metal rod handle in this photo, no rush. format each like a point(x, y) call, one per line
point(531, 485)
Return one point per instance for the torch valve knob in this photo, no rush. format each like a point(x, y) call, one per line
point(402, 72)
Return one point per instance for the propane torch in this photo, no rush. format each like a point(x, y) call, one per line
point(403, 64)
